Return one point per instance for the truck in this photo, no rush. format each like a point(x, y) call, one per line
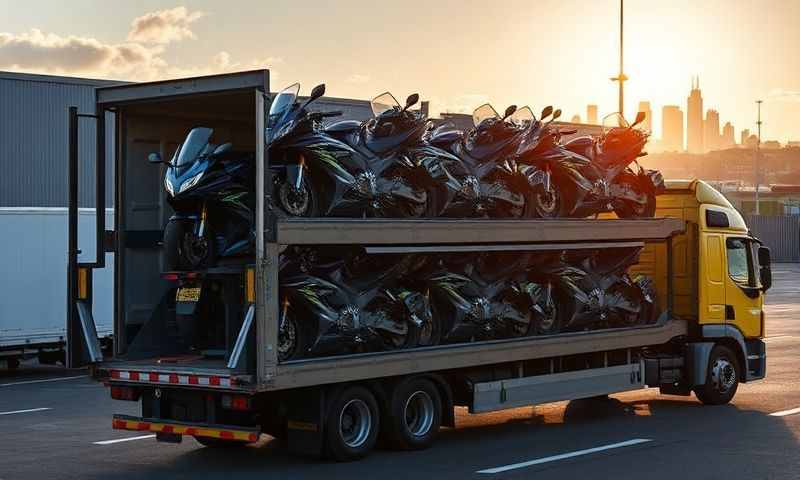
point(710, 275)
point(32, 315)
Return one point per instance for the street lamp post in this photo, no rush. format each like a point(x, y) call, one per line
point(758, 156)
point(621, 78)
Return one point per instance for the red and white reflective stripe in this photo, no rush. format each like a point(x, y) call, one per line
point(172, 378)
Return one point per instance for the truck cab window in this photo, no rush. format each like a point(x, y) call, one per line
point(740, 262)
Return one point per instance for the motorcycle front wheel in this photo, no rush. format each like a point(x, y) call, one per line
point(628, 208)
point(185, 250)
point(548, 203)
point(297, 202)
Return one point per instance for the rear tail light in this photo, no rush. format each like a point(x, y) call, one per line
point(124, 393)
point(237, 402)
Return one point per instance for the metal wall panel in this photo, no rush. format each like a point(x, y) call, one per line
point(34, 140)
point(780, 233)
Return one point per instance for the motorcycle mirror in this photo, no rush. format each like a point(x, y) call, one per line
point(411, 100)
point(546, 112)
point(154, 157)
point(509, 111)
point(557, 113)
point(317, 92)
point(639, 119)
point(224, 148)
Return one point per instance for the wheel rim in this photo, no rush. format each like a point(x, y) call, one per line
point(355, 423)
point(547, 202)
point(287, 338)
point(723, 375)
point(295, 201)
point(418, 414)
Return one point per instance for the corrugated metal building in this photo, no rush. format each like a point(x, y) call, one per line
point(34, 137)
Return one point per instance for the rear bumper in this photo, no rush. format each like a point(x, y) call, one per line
point(224, 432)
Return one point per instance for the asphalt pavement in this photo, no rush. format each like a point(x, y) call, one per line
point(57, 424)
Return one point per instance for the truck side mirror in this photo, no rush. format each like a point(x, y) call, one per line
point(154, 157)
point(765, 267)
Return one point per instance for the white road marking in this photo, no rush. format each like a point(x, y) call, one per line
point(42, 381)
point(26, 411)
point(563, 456)
point(118, 440)
point(784, 413)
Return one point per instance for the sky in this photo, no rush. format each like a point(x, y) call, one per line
point(457, 54)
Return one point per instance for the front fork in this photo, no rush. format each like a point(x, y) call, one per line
point(201, 226)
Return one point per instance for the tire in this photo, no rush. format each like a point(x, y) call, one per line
point(173, 233)
point(629, 210)
point(722, 377)
point(182, 251)
point(297, 203)
point(293, 341)
point(220, 443)
point(414, 416)
point(352, 424)
point(550, 204)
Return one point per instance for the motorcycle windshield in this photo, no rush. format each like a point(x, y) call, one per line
point(614, 120)
point(482, 113)
point(282, 104)
point(383, 103)
point(523, 117)
point(195, 143)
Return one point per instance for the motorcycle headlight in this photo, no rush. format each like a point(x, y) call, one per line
point(168, 186)
point(190, 183)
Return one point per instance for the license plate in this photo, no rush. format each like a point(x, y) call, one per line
point(188, 294)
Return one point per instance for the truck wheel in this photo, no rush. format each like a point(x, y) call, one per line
point(415, 415)
point(220, 443)
point(722, 378)
point(352, 424)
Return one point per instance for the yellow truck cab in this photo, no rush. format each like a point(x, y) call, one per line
point(720, 274)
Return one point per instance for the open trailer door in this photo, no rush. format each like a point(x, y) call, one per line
point(151, 117)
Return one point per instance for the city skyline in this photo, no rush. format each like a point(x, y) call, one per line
point(411, 49)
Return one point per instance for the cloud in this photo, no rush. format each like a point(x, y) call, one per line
point(358, 78)
point(782, 95)
point(164, 26)
point(35, 50)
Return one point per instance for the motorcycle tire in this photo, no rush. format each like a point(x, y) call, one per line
point(551, 207)
point(173, 233)
point(298, 336)
point(628, 209)
point(294, 203)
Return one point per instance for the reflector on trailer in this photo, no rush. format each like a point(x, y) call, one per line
point(226, 432)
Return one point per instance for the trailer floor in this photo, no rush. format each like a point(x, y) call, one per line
point(567, 440)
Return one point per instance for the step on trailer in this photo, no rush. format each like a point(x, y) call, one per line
point(339, 405)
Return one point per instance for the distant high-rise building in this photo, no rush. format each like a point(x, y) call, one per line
point(576, 118)
point(744, 136)
point(647, 124)
point(711, 131)
point(672, 128)
point(694, 119)
point(728, 137)
point(591, 114)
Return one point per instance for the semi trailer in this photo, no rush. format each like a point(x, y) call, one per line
point(709, 272)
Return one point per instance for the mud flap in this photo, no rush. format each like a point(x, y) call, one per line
point(305, 421)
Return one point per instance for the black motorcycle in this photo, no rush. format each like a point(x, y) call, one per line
point(486, 181)
point(210, 188)
point(378, 168)
point(354, 305)
point(601, 294)
point(588, 176)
